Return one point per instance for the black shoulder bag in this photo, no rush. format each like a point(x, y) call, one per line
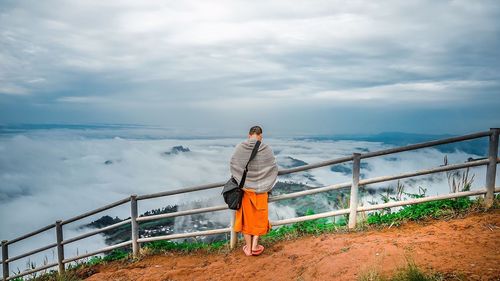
point(233, 192)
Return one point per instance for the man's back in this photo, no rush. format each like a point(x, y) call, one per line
point(262, 170)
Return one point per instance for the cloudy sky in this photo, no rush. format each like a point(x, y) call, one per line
point(296, 67)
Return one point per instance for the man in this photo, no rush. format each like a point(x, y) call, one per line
point(252, 218)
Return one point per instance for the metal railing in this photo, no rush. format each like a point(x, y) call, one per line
point(489, 190)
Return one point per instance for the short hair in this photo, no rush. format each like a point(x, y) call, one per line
point(255, 130)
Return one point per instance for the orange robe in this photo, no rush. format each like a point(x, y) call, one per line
point(252, 218)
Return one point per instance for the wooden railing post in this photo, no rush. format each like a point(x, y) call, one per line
point(5, 256)
point(135, 225)
point(234, 235)
point(60, 246)
point(353, 205)
point(491, 169)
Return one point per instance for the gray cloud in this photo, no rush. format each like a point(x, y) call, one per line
point(176, 64)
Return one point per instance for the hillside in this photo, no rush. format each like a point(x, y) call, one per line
point(466, 247)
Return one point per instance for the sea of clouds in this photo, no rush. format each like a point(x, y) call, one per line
point(51, 174)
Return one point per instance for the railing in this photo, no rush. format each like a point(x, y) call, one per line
point(489, 190)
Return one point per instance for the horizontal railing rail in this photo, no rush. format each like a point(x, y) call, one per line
point(96, 211)
point(182, 190)
point(43, 229)
point(31, 271)
point(100, 251)
point(183, 213)
point(185, 235)
point(97, 231)
point(425, 199)
point(491, 162)
point(41, 249)
point(427, 144)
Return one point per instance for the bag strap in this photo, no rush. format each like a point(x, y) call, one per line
point(252, 156)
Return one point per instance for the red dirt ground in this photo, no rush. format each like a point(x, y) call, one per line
point(468, 246)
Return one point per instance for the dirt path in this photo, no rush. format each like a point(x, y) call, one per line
point(470, 246)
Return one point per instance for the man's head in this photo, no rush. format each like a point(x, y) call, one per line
point(255, 132)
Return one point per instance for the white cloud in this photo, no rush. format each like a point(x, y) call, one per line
point(12, 90)
point(423, 92)
point(226, 42)
point(83, 99)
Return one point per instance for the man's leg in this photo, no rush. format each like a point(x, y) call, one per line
point(255, 243)
point(248, 240)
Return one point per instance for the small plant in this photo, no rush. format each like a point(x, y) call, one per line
point(458, 181)
point(421, 193)
point(94, 260)
point(116, 254)
point(54, 276)
point(371, 275)
point(78, 263)
point(282, 233)
point(386, 198)
point(343, 203)
point(30, 265)
point(316, 226)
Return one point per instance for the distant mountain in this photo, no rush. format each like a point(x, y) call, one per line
point(346, 168)
point(317, 203)
point(176, 150)
point(48, 126)
point(103, 222)
point(288, 162)
point(146, 229)
point(477, 146)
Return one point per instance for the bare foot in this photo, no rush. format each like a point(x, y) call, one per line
point(258, 251)
point(247, 251)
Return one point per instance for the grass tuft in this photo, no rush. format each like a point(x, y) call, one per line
point(410, 272)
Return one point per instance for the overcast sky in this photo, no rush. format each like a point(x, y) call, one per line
point(295, 67)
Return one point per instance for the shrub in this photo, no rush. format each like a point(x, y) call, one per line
point(116, 254)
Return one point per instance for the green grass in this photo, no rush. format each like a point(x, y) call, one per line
point(115, 255)
point(158, 246)
point(434, 209)
point(312, 227)
point(94, 261)
point(54, 276)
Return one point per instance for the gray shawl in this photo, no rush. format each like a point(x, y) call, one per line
point(262, 170)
